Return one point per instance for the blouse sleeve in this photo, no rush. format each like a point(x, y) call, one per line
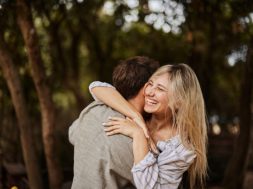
point(165, 170)
point(98, 84)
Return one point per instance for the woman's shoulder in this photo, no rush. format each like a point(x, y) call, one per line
point(179, 150)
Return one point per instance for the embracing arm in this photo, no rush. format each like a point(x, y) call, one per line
point(140, 147)
point(111, 97)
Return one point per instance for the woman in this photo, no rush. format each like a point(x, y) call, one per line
point(177, 125)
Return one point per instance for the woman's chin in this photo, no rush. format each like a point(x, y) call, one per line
point(149, 109)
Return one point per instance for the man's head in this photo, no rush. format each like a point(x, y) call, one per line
point(130, 75)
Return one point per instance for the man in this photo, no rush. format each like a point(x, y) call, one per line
point(101, 161)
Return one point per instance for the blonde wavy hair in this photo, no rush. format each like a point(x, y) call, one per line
point(187, 107)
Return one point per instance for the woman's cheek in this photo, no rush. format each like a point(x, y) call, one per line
point(165, 99)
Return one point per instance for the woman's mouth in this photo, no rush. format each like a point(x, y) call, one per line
point(150, 102)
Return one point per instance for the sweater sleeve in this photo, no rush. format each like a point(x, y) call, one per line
point(164, 171)
point(98, 84)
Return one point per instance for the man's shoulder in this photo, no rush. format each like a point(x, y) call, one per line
point(99, 109)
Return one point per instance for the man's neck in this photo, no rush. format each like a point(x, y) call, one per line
point(135, 102)
point(138, 101)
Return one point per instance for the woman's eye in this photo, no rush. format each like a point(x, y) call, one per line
point(150, 84)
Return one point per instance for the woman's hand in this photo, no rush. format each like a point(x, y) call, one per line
point(127, 127)
point(141, 123)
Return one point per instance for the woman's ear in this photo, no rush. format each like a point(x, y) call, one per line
point(144, 88)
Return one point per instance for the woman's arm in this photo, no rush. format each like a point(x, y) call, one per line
point(98, 84)
point(111, 97)
point(140, 146)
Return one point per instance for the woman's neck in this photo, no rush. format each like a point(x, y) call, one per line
point(161, 128)
point(159, 122)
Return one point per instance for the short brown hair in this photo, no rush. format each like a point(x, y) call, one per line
point(130, 75)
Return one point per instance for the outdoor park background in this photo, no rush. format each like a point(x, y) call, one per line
point(51, 50)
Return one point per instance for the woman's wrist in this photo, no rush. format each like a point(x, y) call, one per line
point(138, 119)
point(138, 133)
point(135, 115)
point(141, 123)
point(140, 146)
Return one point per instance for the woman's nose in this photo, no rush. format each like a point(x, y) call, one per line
point(151, 91)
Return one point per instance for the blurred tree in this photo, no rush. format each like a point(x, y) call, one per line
point(211, 41)
point(235, 172)
point(65, 61)
point(14, 84)
point(24, 18)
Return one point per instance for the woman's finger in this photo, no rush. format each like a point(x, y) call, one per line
point(116, 118)
point(146, 133)
point(113, 132)
point(110, 123)
point(129, 119)
point(110, 128)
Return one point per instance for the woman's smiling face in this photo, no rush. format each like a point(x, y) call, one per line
point(156, 94)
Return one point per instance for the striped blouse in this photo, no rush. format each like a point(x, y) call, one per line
point(166, 170)
point(162, 171)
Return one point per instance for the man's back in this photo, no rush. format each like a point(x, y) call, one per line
point(100, 161)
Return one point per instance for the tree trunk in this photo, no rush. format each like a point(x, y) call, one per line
point(24, 18)
point(11, 76)
point(235, 171)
